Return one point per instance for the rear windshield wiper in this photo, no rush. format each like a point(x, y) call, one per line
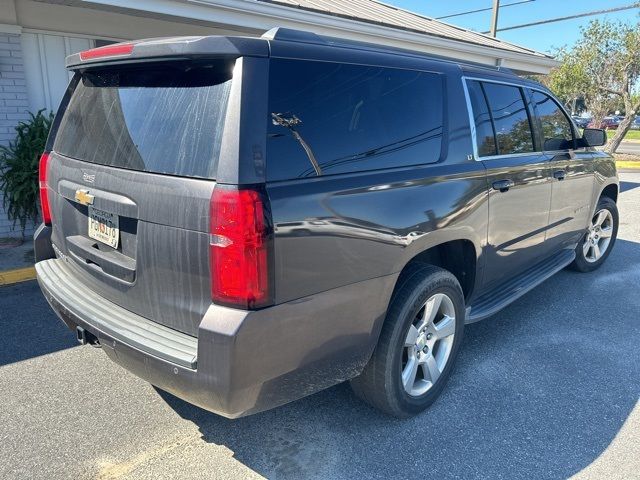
point(290, 122)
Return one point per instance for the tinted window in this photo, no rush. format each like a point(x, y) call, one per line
point(165, 119)
point(485, 138)
point(350, 118)
point(557, 133)
point(510, 118)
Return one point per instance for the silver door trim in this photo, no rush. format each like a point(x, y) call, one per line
point(472, 123)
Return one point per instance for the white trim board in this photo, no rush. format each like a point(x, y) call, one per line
point(11, 29)
point(75, 35)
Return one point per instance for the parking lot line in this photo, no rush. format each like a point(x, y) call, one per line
point(8, 277)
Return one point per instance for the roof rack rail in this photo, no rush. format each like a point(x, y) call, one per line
point(305, 36)
point(292, 35)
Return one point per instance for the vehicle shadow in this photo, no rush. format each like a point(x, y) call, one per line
point(539, 391)
point(29, 330)
point(626, 186)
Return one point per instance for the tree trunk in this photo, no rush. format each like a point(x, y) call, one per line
point(622, 130)
point(597, 116)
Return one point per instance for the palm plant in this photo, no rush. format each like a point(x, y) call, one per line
point(19, 168)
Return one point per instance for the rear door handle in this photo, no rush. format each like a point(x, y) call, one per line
point(559, 174)
point(503, 185)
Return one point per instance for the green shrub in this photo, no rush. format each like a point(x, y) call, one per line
point(19, 168)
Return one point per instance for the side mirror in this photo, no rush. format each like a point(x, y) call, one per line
point(593, 137)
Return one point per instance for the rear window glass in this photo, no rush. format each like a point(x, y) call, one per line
point(162, 119)
point(350, 118)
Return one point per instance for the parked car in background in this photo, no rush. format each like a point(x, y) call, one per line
point(246, 221)
point(581, 122)
point(636, 124)
point(608, 123)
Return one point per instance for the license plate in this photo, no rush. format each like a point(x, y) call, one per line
point(103, 226)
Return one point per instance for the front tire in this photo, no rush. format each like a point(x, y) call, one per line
point(598, 240)
point(418, 344)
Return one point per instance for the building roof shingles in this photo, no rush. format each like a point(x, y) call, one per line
point(372, 11)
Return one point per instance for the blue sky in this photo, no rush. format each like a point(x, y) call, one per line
point(542, 38)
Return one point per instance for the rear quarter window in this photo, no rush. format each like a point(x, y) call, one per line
point(510, 118)
point(485, 135)
point(164, 119)
point(350, 118)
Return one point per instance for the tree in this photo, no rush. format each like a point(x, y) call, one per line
point(603, 68)
point(568, 81)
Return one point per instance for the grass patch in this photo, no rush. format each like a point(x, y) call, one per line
point(631, 134)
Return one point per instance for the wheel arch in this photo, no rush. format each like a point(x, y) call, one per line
point(458, 257)
point(611, 191)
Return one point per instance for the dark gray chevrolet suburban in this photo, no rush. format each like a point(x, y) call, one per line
point(245, 221)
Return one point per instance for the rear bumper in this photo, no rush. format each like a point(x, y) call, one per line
point(42, 246)
point(241, 362)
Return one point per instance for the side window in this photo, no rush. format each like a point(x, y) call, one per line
point(485, 136)
point(350, 118)
point(510, 118)
point(557, 133)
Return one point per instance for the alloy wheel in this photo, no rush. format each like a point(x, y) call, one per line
point(428, 344)
point(598, 236)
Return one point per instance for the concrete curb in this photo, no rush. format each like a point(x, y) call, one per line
point(628, 165)
point(9, 277)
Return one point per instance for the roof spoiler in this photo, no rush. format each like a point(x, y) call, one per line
point(170, 48)
point(293, 35)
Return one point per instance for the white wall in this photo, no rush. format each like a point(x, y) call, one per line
point(13, 103)
point(46, 76)
point(13, 91)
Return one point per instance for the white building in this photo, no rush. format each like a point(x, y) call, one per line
point(36, 36)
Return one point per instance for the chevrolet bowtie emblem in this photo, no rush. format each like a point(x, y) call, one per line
point(84, 197)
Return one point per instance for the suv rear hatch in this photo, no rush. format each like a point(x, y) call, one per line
point(130, 177)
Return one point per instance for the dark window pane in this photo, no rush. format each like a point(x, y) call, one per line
point(102, 43)
point(555, 126)
point(350, 118)
point(166, 119)
point(485, 138)
point(511, 122)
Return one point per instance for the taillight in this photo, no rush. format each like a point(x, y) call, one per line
point(42, 184)
point(117, 50)
point(239, 247)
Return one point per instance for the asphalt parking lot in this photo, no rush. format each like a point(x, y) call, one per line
point(548, 388)
point(630, 148)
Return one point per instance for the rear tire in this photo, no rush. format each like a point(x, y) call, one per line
point(418, 344)
point(597, 243)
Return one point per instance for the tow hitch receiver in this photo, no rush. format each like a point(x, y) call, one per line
point(85, 337)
